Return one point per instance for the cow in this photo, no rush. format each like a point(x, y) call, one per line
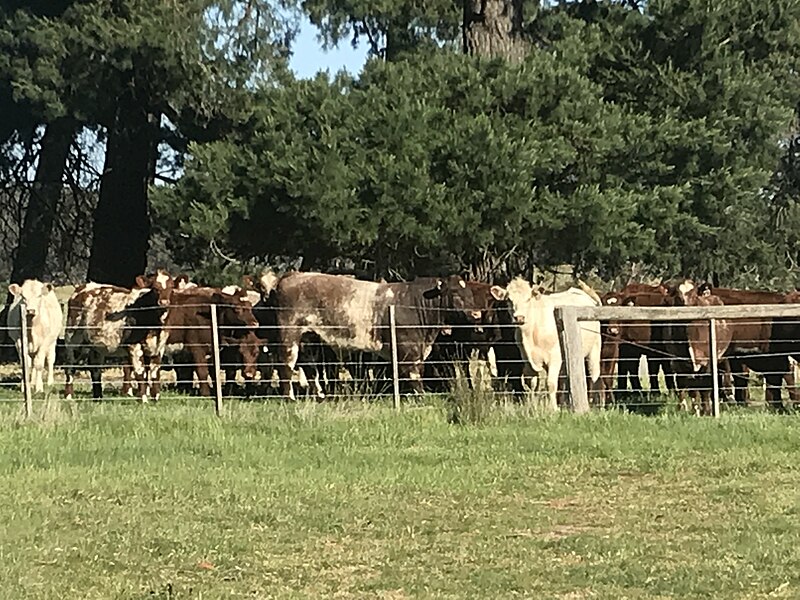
point(757, 344)
point(110, 321)
point(43, 318)
point(189, 335)
point(625, 342)
point(353, 315)
point(464, 341)
point(537, 334)
point(698, 336)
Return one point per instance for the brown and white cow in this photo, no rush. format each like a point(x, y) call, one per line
point(109, 321)
point(348, 314)
point(698, 335)
point(189, 334)
point(762, 345)
point(43, 318)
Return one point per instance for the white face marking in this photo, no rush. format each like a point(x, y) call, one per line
point(462, 283)
point(686, 287)
point(389, 293)
point(611, 301)
point(520, 294)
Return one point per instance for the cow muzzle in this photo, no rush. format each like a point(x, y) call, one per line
point(519, 319)
point(475, 314)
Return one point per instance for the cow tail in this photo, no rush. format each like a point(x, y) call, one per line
point(592, 294)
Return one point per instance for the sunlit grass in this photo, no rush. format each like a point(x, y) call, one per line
point(354, 499)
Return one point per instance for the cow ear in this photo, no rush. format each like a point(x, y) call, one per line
point(704, 289)
point(434, 292)
point(14, 289)
point(498, 293)
point(140, 282)
point(47, 288)
point(538, 292)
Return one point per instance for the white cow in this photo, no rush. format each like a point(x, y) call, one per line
point(537, 335)
point(43, 317)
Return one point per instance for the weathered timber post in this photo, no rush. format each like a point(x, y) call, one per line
point(712, 342)
point(24, 358)
point(217, 369)
point(569, 337)
point(395, 364)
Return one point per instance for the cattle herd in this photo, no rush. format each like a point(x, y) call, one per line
point(276, 331)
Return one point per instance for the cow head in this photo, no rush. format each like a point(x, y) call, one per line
point(182, 282)
point(161, 282)
point(31, 292)
point(237, 329)
point(456, 296)
point(520, 296)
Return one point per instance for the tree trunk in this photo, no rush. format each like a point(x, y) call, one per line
point(121, 231)
point(34, 239)
point(492, 28)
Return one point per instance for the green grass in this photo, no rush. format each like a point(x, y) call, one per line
point(354, 500)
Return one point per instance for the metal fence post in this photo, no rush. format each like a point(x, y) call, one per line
point(569, 337)
point(712, 342)
point(217, 369)
point(23, 357)
point(395, 365)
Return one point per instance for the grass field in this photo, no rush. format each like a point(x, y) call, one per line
point(351, 500)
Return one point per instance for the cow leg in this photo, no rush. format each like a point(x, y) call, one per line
point(38, 371)
point(412, 373)
point(69, 370)
point(201, 368)
point(155, 377)
point(289, 353)
point(97, 380)
point(553, 376)
point(51, 362)
point(137, 360)
point(773, 376)
point(593, 369)
point(791, 387)
point(740, 379)
point(609, 354)
point(127, 380)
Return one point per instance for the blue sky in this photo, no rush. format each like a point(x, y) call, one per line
point(308, 57)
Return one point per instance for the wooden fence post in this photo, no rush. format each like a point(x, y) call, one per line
point(569, 337)
point(395, 364)
point(712, 342)
point(217, 369)
point(24, 358)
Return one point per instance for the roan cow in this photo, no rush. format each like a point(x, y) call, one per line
point(351, 315)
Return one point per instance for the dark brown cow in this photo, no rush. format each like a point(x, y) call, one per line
point(465, 338)
point(105, 321)
point(188, 328)
point(624, 343)
point(349, 314)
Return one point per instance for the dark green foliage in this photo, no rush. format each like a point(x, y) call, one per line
point(617, 142)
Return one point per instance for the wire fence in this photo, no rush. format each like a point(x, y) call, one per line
point(640, 365)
